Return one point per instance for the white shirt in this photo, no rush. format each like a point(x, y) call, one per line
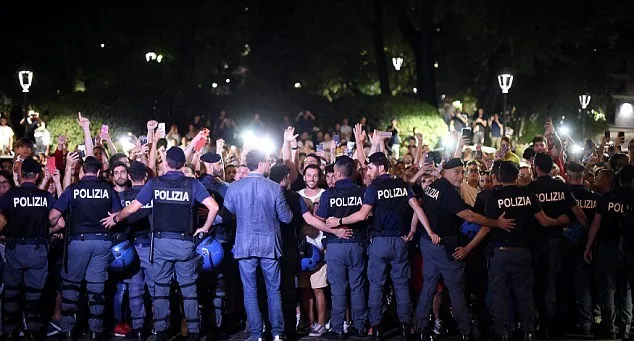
point(317, 241)
point(5, 135)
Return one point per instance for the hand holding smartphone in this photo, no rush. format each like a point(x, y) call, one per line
point(203, 141)
point(50, 165)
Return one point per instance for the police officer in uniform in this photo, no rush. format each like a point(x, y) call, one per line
point(345, 256)
point(25, 217)
point(389, 199)
point(556, 199)
point(611, 208)
point(173, 198)
point(510, 267)
point(137, 228)
point(580, 273)
point(446, 211)
point(88, 255)
point(216, 282)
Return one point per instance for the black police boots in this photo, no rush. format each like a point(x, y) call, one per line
point(97, 336)
point(35, 335)
point(467, 337)
point(356, 333)
point(333, 335)
point(67, 336)
point(377, 333)
point(136, 334)
point(161, 336)
point(14, 336)
point(194, 337)
point(406, 332)
point(425, 335)
point(528, 336)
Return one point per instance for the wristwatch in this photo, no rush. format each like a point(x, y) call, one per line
point(340, 221)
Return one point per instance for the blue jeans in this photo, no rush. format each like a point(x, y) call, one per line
point(271, 272)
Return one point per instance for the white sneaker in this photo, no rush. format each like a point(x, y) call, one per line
point(346, 325)
point(277, 338)
point(317, 331)
point(298, 318)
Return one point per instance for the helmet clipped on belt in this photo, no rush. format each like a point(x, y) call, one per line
point(124, 255)
point(312, 258)
point(211, 252)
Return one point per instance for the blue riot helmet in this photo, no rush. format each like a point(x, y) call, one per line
point(211, 252)
point(124, 255)
point(312, 258)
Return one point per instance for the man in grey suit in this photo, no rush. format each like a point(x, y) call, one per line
point(259, 206)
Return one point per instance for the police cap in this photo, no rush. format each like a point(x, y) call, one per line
point(210, 158)
point(575, 167)
point(278, 172)
point(453, 163)
point(30, 166)
point(544, 162)
point(176, 154)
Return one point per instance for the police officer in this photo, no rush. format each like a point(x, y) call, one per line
point(137, 228)
point(173, 198)
point(579, 271)
point(216, 281)
point(510, 267)
point(389, 199)
point(26, 220)
point(611, 208)
point(446, 211)
point(345, 256)
point(556, 199)
point(88, 251)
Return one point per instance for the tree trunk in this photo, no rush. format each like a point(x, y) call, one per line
point(376, 29)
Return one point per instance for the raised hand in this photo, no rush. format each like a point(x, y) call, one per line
point(151, 125)
point(289, 134)
point(82, 121)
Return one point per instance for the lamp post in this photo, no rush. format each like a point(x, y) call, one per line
point(397, 62)
point(584, 100)
point(25, 77)
point(505, 81)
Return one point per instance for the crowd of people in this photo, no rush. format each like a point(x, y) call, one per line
point(335, 235)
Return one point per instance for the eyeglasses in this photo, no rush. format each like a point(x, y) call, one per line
point(4, 183)
point(485, 173)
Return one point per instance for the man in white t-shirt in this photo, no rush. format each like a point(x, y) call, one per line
point(345, 130)
point(313, 283)
point(6, 137)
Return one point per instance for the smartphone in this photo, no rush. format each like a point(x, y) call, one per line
point(621, 136)
point(50, 165)
point(143, 139)
point(320, 147)
point(466, 132)
point(479, 154)
point(606, 134)
point(104, 130)
point(161, 126)
point(337, 139)
point(429, 160)
point(81, 149)
point(385, 134)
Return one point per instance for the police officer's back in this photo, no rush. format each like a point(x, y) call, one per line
point(510, 255)
point(88, 255)
point(24, 222)
point(174, 197)
point(345, 256)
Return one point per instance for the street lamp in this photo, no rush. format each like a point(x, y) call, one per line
point(506, 81)
point(584, 100)
point(397, 62)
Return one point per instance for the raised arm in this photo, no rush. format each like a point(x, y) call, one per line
point(84, 123)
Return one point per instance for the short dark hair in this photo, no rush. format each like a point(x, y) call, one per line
point(90, 168)
point(314, 156)
point(538, 138)
point(116, 157)
point(137, 173)
point(24, 142)
point(495, 168)
point(508, 172)
point(254, 158)
point(118, 164)
point(174, 164)
point(313, 167)
point(380, 159)
point(329, 168)
point(528, 153)
point(626, 174)
point(346, 166)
